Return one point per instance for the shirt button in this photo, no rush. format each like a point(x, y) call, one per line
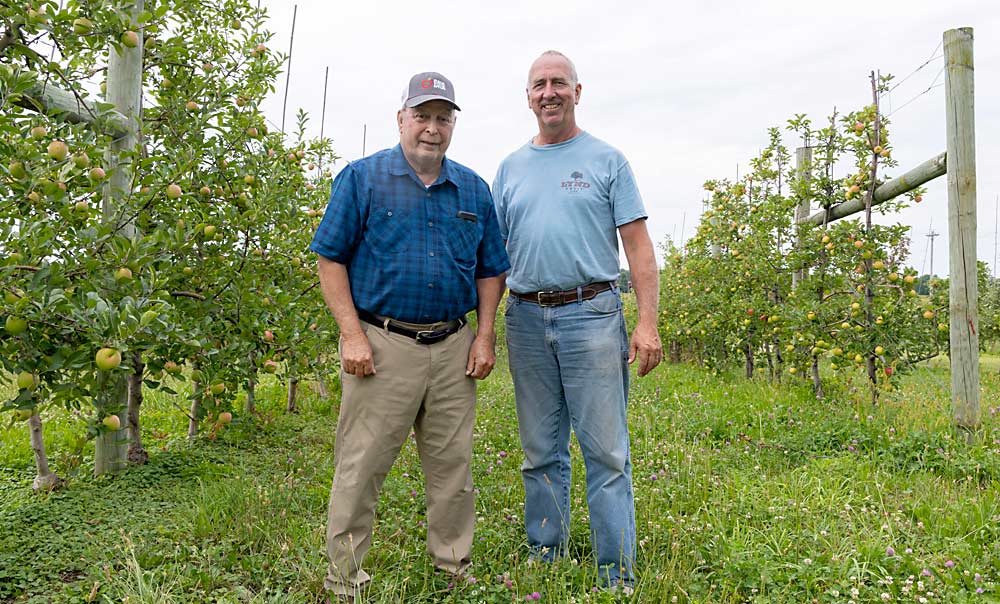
point(430, 224)
point(428, 193)
point(389, 213)
point(432, 254)
point(430, 285)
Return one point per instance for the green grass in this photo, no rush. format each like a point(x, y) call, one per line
point(745, 492)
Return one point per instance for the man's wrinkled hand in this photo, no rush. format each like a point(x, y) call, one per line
point(356, 355)
point(645, 346)
point(482, 357)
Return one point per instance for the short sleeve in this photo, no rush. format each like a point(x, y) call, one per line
point(626, 202)
point(491, 258)
point(340, 231)
point(500, 203)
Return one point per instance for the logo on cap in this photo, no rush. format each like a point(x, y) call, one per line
point(433, 83)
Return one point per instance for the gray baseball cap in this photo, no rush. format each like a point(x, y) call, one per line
point(429, 86)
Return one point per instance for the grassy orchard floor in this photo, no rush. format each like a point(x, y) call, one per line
point(745, 492)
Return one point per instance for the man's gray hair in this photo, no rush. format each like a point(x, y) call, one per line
point(555, 53)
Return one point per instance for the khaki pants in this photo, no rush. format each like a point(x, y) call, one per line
point(417, 386)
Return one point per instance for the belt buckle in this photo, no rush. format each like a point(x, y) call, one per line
point(554, 297)
point(431, 337)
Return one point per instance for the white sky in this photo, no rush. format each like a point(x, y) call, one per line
point(686, 90)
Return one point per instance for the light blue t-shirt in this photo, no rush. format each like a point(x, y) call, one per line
point(559, 208)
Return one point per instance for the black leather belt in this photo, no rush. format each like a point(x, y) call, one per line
point(558, 298)
point(422, 336)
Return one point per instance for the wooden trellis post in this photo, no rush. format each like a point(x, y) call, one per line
point(124, 92)
point(803, 163)
point(964, 289)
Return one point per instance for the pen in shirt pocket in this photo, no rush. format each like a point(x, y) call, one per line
point(468, 216)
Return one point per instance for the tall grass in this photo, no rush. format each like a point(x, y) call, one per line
point(746, 491)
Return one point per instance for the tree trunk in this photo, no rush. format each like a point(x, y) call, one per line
point(293, 387)
point(779, 361)
point(872, 377)
point(111, 446)
point(136, 453)
point(675, 352)
point(770, 360)
point(251, 404)
point(321, 385)
point(195, 409)
point(817, 384)
point(46, 480)
point(748, 353)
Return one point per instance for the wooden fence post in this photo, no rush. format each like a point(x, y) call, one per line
point(961, 130)
point(124, 92)
point(803, 172)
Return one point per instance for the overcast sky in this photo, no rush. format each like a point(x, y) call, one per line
point(686, 90)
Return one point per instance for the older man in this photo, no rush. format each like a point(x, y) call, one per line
point(408, 245)
point(562, 199)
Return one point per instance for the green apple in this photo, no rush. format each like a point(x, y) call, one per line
point(17, 170)
point(225, 417)
point(15, 325)
point(58, 150)
point(82, 26)
point(123, 274)
point(112, 422)
point(174, 191)
point(27, 380)
point(108, 359)
point(130, 39)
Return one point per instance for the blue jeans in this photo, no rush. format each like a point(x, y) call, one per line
point(570, 368)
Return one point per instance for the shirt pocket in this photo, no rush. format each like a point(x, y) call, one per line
point(463, 241)
point(385, 230)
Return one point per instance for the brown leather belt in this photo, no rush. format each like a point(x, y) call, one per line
point(558, 298)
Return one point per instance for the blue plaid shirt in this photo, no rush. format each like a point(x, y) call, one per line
point(412, 252)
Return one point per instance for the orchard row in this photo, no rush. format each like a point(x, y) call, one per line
point(198, 267)
point(757, 286)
